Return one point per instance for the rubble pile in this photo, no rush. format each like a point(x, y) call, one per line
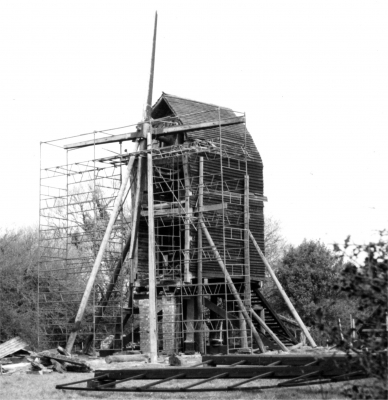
point(14, 359)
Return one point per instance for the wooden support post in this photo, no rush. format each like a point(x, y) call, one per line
point(151, 249)
point(97, 262)
point(247, 272)
point(199, 269)
point(233, 288)
point(187, 274)
point(137, 199)
point(189, 339)
point(269, 331)
point(283, 293)
point(262, 316)
point(243, 331)
point(247, 269)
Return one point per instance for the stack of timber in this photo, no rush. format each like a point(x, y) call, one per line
point(61, 361)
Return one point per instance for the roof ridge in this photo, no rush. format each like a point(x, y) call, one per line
point(195, 101)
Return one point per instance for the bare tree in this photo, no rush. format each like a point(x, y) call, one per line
point(275, 244)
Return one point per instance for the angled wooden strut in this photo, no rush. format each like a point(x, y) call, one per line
point(283, 293)
point(147, 130)
point(100, 254)
point(233, 288)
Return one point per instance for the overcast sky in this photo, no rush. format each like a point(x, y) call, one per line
point(310, 75)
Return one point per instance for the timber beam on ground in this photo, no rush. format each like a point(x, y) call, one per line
point(278, 372)
point(232, 372)
point(288, 359)
point(157, 132)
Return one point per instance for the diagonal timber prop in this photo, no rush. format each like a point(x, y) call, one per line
point(101, 251)
point(233, 288)
point(269, 331)
point(283, 293)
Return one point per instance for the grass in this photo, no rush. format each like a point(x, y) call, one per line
point(42, 387)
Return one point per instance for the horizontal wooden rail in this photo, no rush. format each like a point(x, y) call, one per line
point(157, 132)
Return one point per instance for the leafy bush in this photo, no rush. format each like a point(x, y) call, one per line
point(309, 273)
point(365, 280)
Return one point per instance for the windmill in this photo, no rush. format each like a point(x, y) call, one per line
point(209, 157)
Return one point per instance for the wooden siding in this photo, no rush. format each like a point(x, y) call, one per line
point(224, 228)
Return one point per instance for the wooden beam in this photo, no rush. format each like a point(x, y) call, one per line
point(89, 286)
point(279, 371)
point(220, 311)
point(274, 314)
point(179, 211)
point(247, 269)
point(151, 251)
point(283, 293)
point(196, 127)
point(157, 132)
point(290, 359)
point(269, 331)
point(199, 265)
point(185, 166)
point(233, 288)
point(106, 140)
point(136, 206)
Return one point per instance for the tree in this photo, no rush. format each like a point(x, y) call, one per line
point(18, 284)
point(274, 242)
point(309, 274)
point(365, 280)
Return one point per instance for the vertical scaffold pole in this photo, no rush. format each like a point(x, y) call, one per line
point(199, 271)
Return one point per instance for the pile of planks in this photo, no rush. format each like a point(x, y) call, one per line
point(60, 361)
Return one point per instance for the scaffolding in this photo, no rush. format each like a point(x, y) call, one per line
point(202, 208)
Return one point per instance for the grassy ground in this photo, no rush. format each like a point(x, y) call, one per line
point(42, 387)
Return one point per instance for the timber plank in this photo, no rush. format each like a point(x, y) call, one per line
point(12, 346)
point(278, 372)
point(156, 132)
point(286, 359)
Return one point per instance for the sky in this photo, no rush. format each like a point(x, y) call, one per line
point(311, 77)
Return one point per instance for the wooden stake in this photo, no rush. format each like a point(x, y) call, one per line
point(283, 293)
point(97, 262)
point(233, 288)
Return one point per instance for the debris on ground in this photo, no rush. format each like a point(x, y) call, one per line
point(18, 360)
point(183, 360)
point(126, 358)
point(12, 346)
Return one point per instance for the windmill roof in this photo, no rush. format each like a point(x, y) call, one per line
point(192, 111)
